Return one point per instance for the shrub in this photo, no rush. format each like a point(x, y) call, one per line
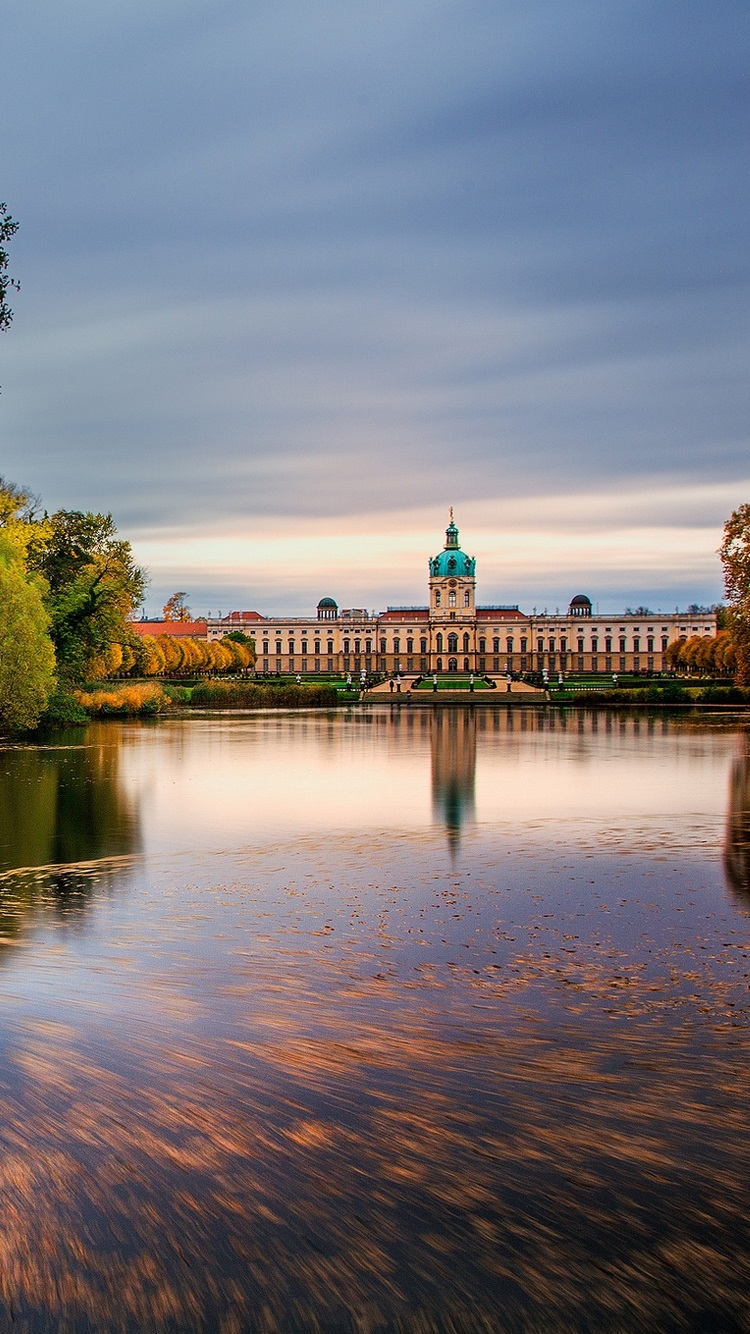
point(124, 701)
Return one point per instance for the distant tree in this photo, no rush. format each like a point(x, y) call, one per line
point(734, 553)
point(8, 229)
point(175, 608)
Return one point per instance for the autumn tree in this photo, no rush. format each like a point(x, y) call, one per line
point(176, 609)
point(93, 585)
point(735, 558)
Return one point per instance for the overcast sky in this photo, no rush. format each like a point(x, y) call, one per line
point(297, 276)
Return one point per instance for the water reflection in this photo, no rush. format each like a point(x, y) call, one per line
point(453, 746)
point(61, 807)
point(737, 838)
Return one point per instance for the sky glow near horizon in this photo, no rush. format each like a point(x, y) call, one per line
point(296, 279)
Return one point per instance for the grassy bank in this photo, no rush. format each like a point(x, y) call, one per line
point(250, 695)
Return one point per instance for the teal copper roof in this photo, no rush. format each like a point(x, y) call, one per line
point(452, 560)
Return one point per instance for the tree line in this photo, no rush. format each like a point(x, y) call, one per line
point(69, 587)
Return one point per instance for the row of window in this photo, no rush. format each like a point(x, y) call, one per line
point(608, 643)
point(450, 644)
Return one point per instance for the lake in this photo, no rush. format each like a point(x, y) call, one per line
point(389, 1019)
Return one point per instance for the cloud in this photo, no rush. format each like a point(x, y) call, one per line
point(291, 262)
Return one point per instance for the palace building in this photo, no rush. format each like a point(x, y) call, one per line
point(452, 633)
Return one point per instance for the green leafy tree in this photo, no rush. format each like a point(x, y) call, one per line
point(27, 658)
point(735, 558)
point(93, 584)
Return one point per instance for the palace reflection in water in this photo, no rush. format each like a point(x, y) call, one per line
point(453, 746)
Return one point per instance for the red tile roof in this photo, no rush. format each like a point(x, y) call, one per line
point(418, 614)
point(177, 629)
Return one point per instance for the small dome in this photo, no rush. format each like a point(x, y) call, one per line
point(580, 605)
point(328, 610)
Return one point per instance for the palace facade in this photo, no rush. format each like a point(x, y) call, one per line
point(452, 634)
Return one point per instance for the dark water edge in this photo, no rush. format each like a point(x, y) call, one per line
point(460, 1043)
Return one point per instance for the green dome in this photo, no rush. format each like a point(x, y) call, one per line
point(452, 560)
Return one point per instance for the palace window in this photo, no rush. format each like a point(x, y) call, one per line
point(650, 643)
point(265, 646)
point(509, 646)
point(278, 646)
point(496, 664)
point(347, 645)
point(396, 645)
point(523, 645)
point(453, 643)
point(330, 664)
point(595, 664)
point(423, 645)
point(580, 646)
point(410, 645)
point(595, 645)
point(540, 646)
point(608, 644)
point(496, 646)
point(330, 646)
point(409, 664)
point(482, 644)
point(622, 644)
point(637, 644)
point(551, 645)
point(664, 643)
point(467, 643)
point(439, 643)
point(304, 647)
point(563, 645)
point(437, 597)
point(368, 646)
point(383, 646)
point(358, 646)
point(451, 599)
point(467, 597)
point(291, 648)
point(317, 646)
